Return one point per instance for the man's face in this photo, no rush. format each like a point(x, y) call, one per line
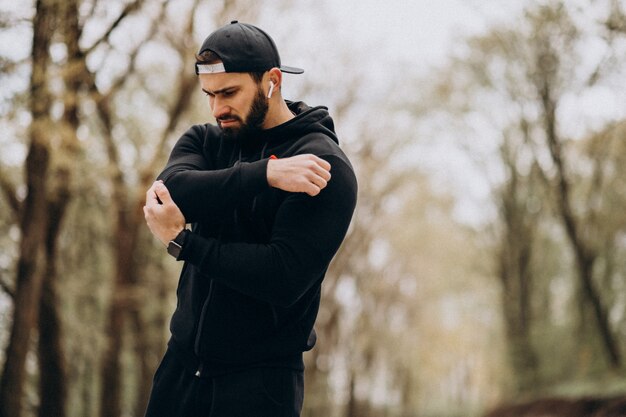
point(237, 102)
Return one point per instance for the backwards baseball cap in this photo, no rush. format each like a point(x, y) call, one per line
point(242, 48)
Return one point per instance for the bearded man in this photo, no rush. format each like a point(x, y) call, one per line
point(267, 219)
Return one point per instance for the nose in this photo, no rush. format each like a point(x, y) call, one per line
point(219, 108)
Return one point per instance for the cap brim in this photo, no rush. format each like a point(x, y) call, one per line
point(291, 70)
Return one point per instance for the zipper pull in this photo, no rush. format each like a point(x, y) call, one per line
point(199, 371)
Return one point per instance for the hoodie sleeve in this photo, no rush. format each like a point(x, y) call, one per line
point(198, 189)
point(306, 235)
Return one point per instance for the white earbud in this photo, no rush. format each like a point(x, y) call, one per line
point(269, 94)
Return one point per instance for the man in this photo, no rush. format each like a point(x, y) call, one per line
point(266, 221)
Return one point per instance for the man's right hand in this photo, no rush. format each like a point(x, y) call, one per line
point(299, 174)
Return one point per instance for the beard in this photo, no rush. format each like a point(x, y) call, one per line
point(254, 120)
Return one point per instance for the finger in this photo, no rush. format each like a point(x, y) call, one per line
point(319, 163)
point(314, 158)
point(326, 175)
point(162, 192)
point(321, 171)
point(148, 216)
point(319, 182)
point(151, 197)
point(322, 163)
point(313, 190)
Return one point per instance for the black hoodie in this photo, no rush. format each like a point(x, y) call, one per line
point(249, 291)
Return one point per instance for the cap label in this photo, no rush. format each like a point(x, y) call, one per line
point(210, 69)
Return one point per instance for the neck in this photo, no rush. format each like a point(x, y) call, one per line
point(278, 113)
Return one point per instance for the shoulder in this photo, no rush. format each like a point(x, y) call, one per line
point(201, 132)
point(201, 137)
point(343, 178)
point(323, 146)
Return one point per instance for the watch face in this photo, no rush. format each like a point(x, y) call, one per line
point(176, 245)
point(174, 249)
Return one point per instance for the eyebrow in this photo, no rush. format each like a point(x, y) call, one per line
point(220, 91)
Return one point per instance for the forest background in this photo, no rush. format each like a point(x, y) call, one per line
point(486, 262)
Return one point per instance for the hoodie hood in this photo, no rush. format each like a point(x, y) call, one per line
point(313, 119)
point(308, 120)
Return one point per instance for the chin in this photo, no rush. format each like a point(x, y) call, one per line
point(231, 132)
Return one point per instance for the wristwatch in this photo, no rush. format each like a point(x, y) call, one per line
point(176, 245)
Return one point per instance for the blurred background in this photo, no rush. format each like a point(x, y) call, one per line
point(486, 262)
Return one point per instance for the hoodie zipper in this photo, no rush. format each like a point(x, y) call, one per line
point(205, 308)
point(207, 301)
point(254, 199)
point(205, 305)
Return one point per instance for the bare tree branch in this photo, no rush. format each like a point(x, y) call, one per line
point(594, 196)
point(6, 287)
point(131, 7)
point(154, 26)
point(180, 104)
point(616, 22)
point(103, 103)
point(8, 189)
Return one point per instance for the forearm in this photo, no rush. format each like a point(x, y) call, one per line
point(198, 187)
point(266, 272)
point(208, 193)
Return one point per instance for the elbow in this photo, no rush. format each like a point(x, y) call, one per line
point(181, 195)
point(171, 179)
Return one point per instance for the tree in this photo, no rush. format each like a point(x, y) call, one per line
point(33, 217)
point(515, 82)
point(514, 260)
point(556, 36)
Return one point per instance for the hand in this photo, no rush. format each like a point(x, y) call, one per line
point(299, 174)
point(163, 216)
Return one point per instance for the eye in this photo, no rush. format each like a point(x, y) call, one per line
point(229, 93)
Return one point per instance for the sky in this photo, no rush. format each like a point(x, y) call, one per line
point(383, 34)
point(384, 37)
point(418, 31)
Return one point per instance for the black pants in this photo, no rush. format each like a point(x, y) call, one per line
point(256, 392)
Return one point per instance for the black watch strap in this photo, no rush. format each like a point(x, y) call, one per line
point(175, 246)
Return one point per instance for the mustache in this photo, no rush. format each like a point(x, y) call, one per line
point(228, 117)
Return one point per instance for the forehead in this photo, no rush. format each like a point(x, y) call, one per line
point(215, 82)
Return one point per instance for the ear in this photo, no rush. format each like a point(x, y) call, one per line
point(276, 76)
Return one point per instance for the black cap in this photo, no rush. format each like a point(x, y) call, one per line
point(242, 48)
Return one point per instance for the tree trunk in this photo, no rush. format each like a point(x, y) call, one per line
point(34, 217)
point(352, 406)
point(585, 256)
point(515, 278)
point(52, 367)
point(142, 355)
point(513, 269)
point(121, 299)
point(110, 401)
point(53, 381)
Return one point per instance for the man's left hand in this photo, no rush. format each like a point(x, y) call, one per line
point(163, 216)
